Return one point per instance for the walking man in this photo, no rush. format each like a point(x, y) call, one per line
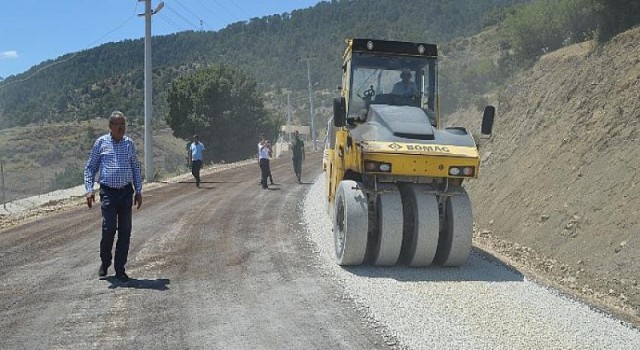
point(263, 159)
point(195, 158)
point(114, 156)
point(298, 155)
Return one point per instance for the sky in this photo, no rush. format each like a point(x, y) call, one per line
point(33, 31)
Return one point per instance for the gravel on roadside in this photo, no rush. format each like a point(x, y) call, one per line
point(481, 305)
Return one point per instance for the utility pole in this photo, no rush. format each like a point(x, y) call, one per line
point(313, 129)
point(148, 90)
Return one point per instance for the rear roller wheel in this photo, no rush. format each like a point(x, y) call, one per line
point(421, 225)
point(350, 224)
point(389, 217)
point(455, 239)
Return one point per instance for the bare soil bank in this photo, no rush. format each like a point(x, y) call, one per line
point(559, 191)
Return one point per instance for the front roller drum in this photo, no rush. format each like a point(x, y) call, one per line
point(350, 217)
point(457, 232)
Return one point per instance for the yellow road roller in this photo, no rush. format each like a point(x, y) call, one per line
point(394, 174)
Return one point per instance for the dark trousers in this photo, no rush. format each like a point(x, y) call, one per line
point(116, 215)
point(264, 172)
point(195, 170)
point(297, 166)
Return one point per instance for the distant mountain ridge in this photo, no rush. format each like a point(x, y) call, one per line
point(93, 82)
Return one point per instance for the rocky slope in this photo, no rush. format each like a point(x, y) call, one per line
point(559, 188)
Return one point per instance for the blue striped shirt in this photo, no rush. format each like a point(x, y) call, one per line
point(117, 163)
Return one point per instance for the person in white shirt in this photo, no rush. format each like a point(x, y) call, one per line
point(264, 148)
point(195, 158)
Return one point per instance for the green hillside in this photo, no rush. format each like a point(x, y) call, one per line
point(91, 83)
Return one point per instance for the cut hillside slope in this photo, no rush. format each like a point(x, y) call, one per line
point(559, 189)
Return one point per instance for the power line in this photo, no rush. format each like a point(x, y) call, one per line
point(226, 9)
point(175, 26)
point(179, 13)
point(187, 9)
point(194, 26)
point(222, 20)
point(241, 9)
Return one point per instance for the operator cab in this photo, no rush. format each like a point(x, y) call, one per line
point(399, 76)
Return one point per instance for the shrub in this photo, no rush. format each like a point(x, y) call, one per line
point(71, 176)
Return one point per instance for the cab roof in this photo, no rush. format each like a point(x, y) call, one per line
point(391, 47)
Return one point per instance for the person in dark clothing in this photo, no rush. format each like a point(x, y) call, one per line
point(298, 155)
point(270, 156)
point(114, 156)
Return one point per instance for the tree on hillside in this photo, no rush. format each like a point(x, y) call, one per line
point(547, 25)
point(614, 17)
point(220, 104)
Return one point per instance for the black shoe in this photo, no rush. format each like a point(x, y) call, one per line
point(102, 271)
point(122, 277)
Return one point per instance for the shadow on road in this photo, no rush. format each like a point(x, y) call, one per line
point(479, 267)
point(157, 284)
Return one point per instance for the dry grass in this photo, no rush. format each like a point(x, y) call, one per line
point(32, 156)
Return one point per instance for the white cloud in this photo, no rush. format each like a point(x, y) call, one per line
point(8, 54)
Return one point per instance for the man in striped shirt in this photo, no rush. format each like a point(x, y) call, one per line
point(114, 157)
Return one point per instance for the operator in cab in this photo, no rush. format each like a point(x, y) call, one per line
point(405, 88)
